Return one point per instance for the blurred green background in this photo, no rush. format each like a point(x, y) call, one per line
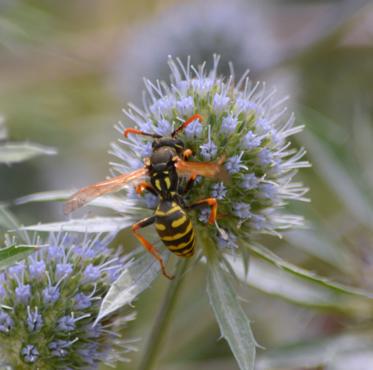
point(68, 68)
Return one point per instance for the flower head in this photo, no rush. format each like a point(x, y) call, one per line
point(239, 30)
point(243, 123)
point(49, 303)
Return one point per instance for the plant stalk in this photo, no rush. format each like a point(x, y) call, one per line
point(159, 331)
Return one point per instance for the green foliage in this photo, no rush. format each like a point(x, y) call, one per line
point(234, 325)
point(14, 253)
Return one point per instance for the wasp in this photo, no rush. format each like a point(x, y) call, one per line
point(168, 163)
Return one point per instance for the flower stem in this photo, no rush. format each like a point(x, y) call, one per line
point(159, 330)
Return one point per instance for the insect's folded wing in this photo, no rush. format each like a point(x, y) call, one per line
point(87, 194)
point(213, 170)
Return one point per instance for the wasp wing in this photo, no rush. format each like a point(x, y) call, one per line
point(213, 170)
point(87, 194)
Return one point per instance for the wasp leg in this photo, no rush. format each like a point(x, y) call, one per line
point(186, 123)
point(140, 188)
point(149, 246)
point(211, 202)
point(188, 186)
point(139, 132)
point(187, 153)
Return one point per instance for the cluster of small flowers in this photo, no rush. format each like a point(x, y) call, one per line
point(243, 123)
point(49, 302)
point(198, 28)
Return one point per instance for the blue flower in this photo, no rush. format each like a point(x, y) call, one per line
point(229, 124)
point(209, 150)
point(220, 102)
point(245, 129)
point(219, 191)
point(186, 106)
point(267, 191)
point(23, 293)
point(59, 348)
point(194, 130)
point(82, 301)
point(91, 273)
point(51, 294)
point(63, 270)
point(6, 322)
point(227, 240)
point(17, 270)
point(265, 157)
point(251, 141)
point(54, 304)
point(66, 323)
point(249, 181)
point(234, 164)
point(204, 215)
point(242, 210)
point(34, 320)
point(146, 150)
point(30, 353)
point(36, 268)
point(164, 127)
point(258, 222)
point(246, 106)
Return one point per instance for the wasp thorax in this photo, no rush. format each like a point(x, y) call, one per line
point(163, 156)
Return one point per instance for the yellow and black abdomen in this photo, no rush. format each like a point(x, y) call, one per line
point(175, 228)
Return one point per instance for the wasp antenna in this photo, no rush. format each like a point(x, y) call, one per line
point(186, 123)
point(139, 132)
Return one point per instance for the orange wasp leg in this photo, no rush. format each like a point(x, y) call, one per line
point(140, 188)
point(189, 185)
point(187, 153)
point(212, 202)
point(139, 132)
point(147, 245)
point(187, 122)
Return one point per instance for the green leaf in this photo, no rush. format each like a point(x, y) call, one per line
point(233, 322)
point(18, 152)
point(8, 221)
point(85, 225)
point(118, 204)
point(132, 281)
point(350, 351)
point(333, 172)
point(3, 130)
point(267, 278)
point(264, 253)
point(10, 255)
point(315, 242)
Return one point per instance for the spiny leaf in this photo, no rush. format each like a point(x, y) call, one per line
point(86, 225)
point(18, 152)
point(132, 281)
point(8, 221)
point(3, 130)
point(267, 255)
point(351, 349)
point(317, 243)
point(118, 204)
point(339, 179)
point(267, 278)
point(12, 254)
point(233, 322)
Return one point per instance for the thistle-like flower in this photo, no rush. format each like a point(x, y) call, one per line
point(49, 303)
point(245, 124)
point(199, 29)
